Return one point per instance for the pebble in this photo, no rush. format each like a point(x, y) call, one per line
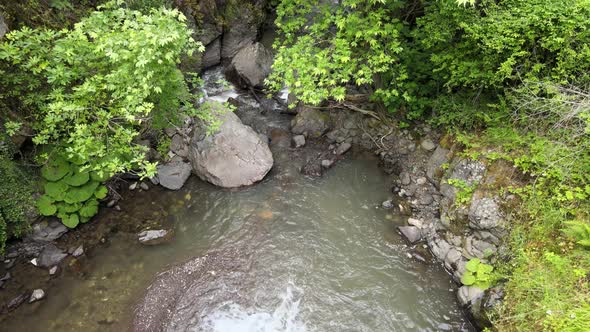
point(111, 203)
point(155, 181)
point(133, 186)
point(117, 207)
point(78, 252)
point(428, 145)
point(38, 294)
point(388, 204)
point(53, 271)
point(144, 186)
point(421, 181)
point(326, 163)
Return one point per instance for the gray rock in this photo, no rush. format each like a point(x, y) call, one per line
point(312, 168)
point(425, 199)
point(251, 65)
point(178, 146)
point(327, 163)
point(48, 230)
point(310, 122)
point(468, 171)
point(174, 174)
point(452, 258)
point(17, 301)
point(133, 186)
point(484, 213)
point(298, 141)
point(234, 156)
point(212, 55)
point(155, 181)
point(38, 294)
point(343, 148)
point(411, 233)
point(404, 178)
point(78, 251)
point(53, 271)
point(388, 204)
point(421, 181)
point(440, 248)
point(154, 237)
point(50, 256)
point(415, 222)
point(469, 295)
point(433, 166)
point(144, 186)
point(427, 144)
point(241, 31)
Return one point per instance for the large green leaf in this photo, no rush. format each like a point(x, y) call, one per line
point(468, 279)
point(484, 269)
point(81, 194)
point(71, 220)
point(101, 192)
point(77, 179)
point(89, 209)
point(46, 206)
point(472, 264)
point(57, 190)
point(55, 169)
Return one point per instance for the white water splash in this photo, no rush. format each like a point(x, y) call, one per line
point(231, 317)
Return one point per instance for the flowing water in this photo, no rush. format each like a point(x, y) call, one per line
point(326, 257)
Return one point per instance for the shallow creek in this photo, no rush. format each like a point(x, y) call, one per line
point(326, 257)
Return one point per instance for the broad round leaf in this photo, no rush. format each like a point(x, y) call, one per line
point(81, 194)
point(472, 264)
point(77, 179)
point(468, 279)
point(101, 192)
point(89, 209)
point(57, 190)
point(71, 220)
point(55, 169)
point(46, 206)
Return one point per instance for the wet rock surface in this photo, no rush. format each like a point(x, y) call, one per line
point(155, 237)
point(251, 65)
point(234, 156)
point(173, 175)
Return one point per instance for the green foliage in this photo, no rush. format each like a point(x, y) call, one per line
point(73, 196)
point(88, 91)
point(477, 274)
point(324, 46)
point(580, 231)
point(15, 194)
point(465, 192)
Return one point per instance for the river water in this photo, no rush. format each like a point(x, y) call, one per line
point(326, 258)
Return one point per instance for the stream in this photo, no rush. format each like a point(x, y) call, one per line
point(291, 253)
point(325, 258)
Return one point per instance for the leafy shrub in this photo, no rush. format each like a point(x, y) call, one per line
point(71, 194)
point(89, 91)
point(477, 274)
point(579, 231)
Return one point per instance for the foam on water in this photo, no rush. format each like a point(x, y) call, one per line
point(231, 317)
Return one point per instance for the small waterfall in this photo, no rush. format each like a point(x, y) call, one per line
point(230, 317)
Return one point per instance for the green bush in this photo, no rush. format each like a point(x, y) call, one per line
point(88, 92)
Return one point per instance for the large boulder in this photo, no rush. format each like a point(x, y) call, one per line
point(234, 156)
point(251, 65)
point(310, 122)
point(241, 28)
point(212, 54)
